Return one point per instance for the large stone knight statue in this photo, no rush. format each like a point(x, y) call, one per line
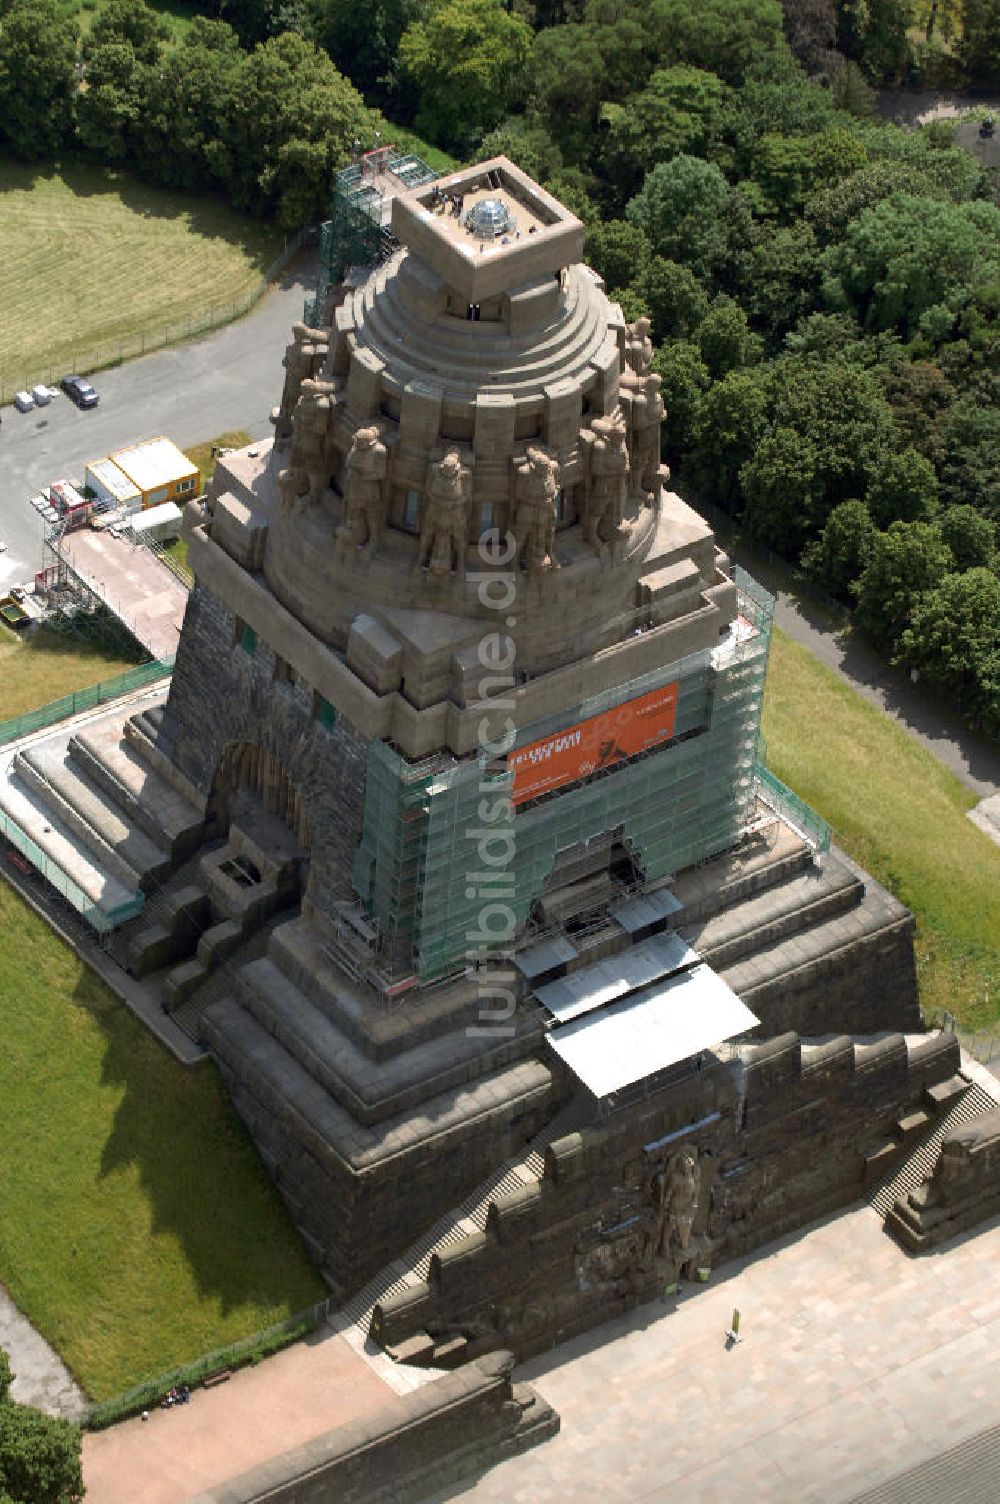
point(536, 491)
point(444, 515)
point(607, 479)
point(646, 413)
point(303, 360)
point(638, 353)
point(365, 471)
point(311, 441)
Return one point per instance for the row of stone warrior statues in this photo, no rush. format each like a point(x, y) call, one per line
point(621, 461)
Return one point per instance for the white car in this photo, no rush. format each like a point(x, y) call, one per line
point(41, 395)
point(23, 401)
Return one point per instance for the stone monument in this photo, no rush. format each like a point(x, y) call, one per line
point(462, 735)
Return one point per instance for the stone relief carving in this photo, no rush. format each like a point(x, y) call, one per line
point(303, 360)
point(311, 439)
point(607, 480)
point(646, 412)
point(365, 470)
point(676, 1197)
point(536, 489)
point(638, 351)
point(444, 514)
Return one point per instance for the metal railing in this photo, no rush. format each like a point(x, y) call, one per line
point(84, 699)
point(786, 804)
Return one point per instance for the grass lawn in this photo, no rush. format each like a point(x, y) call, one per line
point(138, 1229)
point(73, 239)
point(36, 670)
point(901, 814)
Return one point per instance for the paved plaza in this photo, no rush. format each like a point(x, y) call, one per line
point(857, 1363)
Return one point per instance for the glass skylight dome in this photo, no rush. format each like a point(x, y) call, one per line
point(490, 219)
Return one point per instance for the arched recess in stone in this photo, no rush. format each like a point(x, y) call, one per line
point(250, 766)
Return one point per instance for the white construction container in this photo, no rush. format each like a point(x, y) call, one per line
point(112, 487)
point(156, 524)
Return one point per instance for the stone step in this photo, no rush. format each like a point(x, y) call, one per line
point(923, 1153)
point(62, 846)
point(139, 791)
point(806, 898)
point(218, 943)
point(709, 888)
point(835, 945)
point(101, 824)
point(182, 981)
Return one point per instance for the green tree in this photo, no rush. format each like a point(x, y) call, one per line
point(469, 60)
point(728, 37)
point(684, 379)
point(131, 21)
point(676, 300)
point(362, 40)
point(690, 214)
point(730, 419)
point(724, 339)
point(118, 87)
point(903, 488)
point(179, 137)
point(841, 553)
point(954, 637)
point(780, 278)
point(37, 78)
point(811, 29)
point(897, 260)
point(39, 1457)
point(971, 537)
point(830, 428)
point(566, 71)
point(782, 488)
point(526, 141)
point(968, 470)
point(907, 560)
point(617, 251)
point(979, 47)
point(677, 111)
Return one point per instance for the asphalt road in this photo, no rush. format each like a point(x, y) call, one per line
point(230, 378)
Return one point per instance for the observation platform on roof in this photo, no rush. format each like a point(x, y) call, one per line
point(509, 232)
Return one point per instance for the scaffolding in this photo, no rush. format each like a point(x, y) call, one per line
point(357, 233)
point(425, 871)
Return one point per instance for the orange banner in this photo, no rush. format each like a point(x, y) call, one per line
point(599, 742)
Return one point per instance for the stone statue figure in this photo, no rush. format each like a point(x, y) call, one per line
point(303, 360)
point(443, 519)
point(364, 491)
point(638, 350)
point(647, 412)
point(607, 478)
point(676, 1193)
point(536, 489)
point(311, 436)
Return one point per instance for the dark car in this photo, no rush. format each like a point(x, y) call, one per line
point(80, 390)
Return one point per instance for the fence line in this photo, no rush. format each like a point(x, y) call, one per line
point(84, 699)
point(99, 357)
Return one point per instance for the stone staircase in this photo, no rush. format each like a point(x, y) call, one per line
point(922, 1135)
point(778, 925)
point(101, 814)
point(408, 1272)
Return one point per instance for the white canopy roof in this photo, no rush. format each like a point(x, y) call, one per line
point(627, 1041)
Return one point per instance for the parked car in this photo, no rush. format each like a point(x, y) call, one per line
point(80, 390)
point(41, 395)
point(24, 402)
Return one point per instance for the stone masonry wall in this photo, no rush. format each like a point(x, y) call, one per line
point(790, 1135)
point(222, 694)
point(445, 1432)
